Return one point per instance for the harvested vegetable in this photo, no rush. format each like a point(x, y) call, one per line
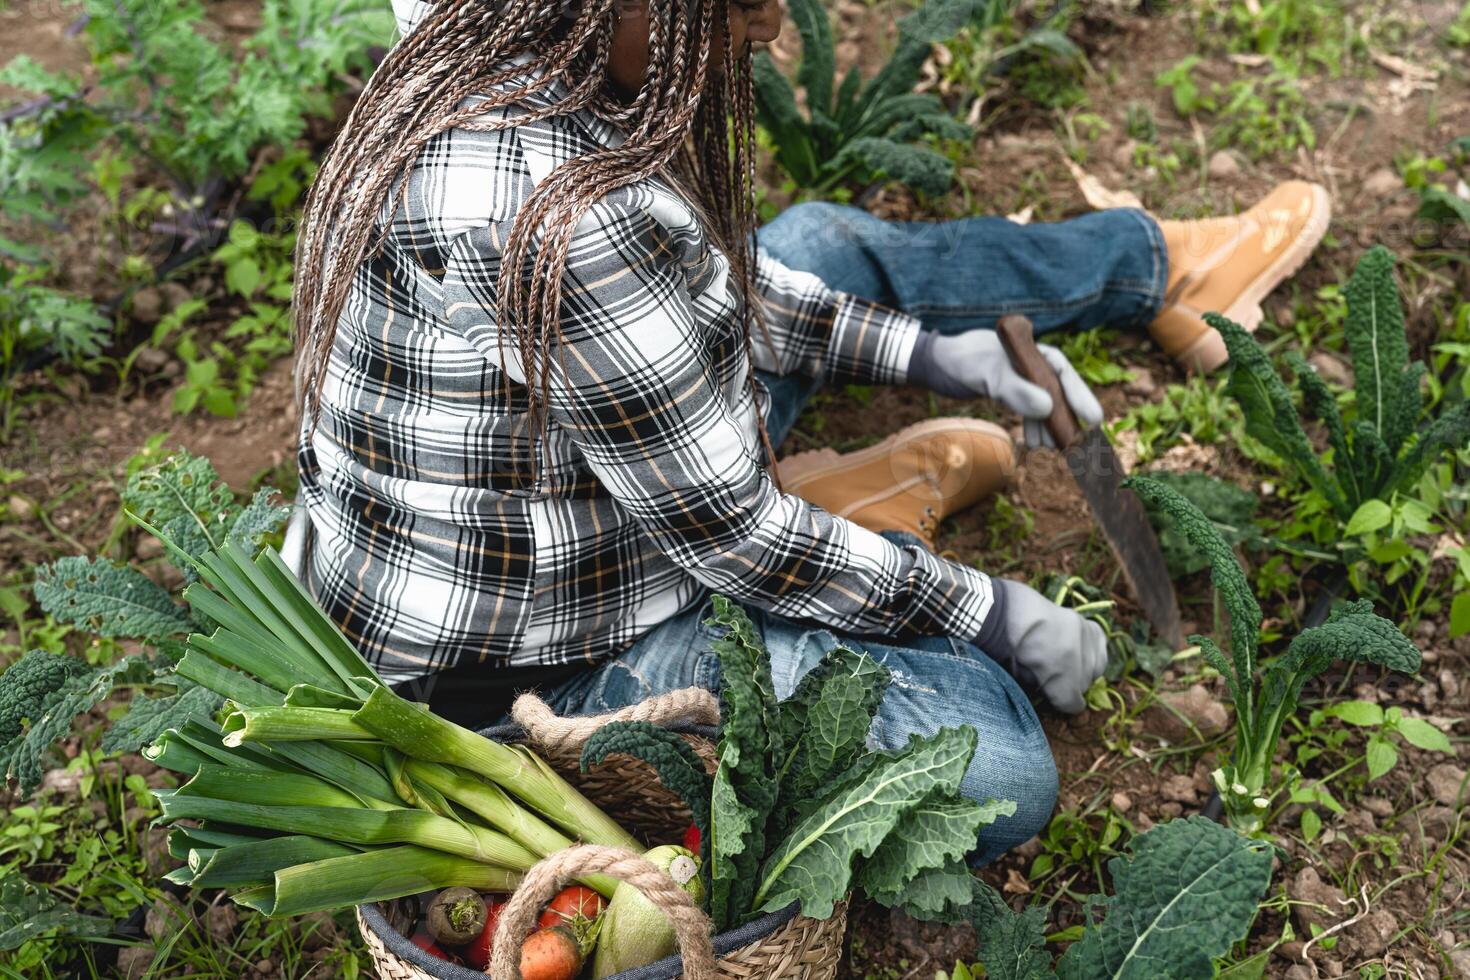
point(692, 837)
point(456, 916)
point(425, 942)
point(551, 954)
point(376, 797)
point(477, 953)
point(800, 808)
point(576, 904)
point(634, 931)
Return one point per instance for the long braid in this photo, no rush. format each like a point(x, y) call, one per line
point(501, 54)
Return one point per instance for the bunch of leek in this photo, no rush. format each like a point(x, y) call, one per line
point(322, 788)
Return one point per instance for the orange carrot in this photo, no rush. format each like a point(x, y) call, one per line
point(551, 954)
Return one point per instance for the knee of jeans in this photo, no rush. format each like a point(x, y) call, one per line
point(1032, 785)
point(808, 230)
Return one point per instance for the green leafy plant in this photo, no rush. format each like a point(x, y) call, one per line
point(1377, 451)
point(1231, 509)
point(43, 693)
point(857, 132)
point(1185, 892)
point(33, 317)
point(1266, 695)
point(1039, 60)
point(800, 809)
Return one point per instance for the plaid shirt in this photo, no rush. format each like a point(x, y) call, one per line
point(429, 547)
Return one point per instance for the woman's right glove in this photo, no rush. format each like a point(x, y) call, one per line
point(1044, 646)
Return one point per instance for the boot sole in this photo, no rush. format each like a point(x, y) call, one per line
point(1208, 352)
point(805, 467)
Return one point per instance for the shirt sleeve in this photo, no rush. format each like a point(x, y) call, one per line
point(821, 332)
point(633, 386)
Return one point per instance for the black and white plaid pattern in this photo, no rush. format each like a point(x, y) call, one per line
point(432, 549)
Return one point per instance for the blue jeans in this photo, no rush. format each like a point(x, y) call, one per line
point(1105, 267)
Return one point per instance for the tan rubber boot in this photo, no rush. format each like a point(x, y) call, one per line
point(910, 481)
point(1228, 265)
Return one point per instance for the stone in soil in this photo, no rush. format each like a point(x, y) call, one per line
point(1382, 183)
point(147, 306)
point(1122, 802)
point(1332, 369)
point(133, 961)
point(1315, 902)
point(164, 919)
point(1446, 783)
point(221, 919)
point(1180, 789)
point(1179, 714)
point(1223, 165)
point(1377, 806)
point(1373, 932)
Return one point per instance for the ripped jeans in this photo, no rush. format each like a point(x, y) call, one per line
point(936, 682)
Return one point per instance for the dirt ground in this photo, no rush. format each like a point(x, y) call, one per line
point(1398, 846)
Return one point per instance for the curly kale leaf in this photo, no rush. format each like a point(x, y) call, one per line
point(1226, 573)
point(818, 67)
point(814, 863)
point(915, 865)
point(744, 790)
point(108, 599)
point(148, 718)
point(28, 911)
point(679, 769)
point(1321, 404)
point(1269, 413)
point(40, 697)
point(1354, 633)
point(1012, 944)
point(1449, 432)
point(1374, 329)
point(1231, 509)
point(823, 728)
point(1189, 889)
point(195, 511)
point(882, 158)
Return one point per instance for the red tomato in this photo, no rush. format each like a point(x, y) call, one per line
point(425, 942)
point(571, 904)
point(691, 838)
point(477, 953)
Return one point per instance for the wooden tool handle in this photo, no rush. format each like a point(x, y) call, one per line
point(1019, 341)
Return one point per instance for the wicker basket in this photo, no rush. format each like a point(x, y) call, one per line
point(779, 946)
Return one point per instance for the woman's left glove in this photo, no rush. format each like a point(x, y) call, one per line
point(1044, 646)
point(975, 363)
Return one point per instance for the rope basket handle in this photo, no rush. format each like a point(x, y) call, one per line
point(546, 731)
point(551, 875)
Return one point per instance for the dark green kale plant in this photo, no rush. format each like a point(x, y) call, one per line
point(43, 692)
point(857, 132)
point(1265, 695)
point(1382, 446)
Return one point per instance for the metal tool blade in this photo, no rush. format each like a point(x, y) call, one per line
point(1120, 515)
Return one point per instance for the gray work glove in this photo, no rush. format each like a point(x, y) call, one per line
point(974, 363)
point(1044, 646)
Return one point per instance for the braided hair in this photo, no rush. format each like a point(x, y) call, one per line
point(690, 122)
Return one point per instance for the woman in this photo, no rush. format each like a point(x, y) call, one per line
point(543, 362)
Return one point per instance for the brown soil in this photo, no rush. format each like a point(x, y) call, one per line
point(71, 447)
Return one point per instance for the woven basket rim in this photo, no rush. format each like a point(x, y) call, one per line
point(665, 969)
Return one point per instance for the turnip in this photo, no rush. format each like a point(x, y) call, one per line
point(634, 931)
point(456, 916)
